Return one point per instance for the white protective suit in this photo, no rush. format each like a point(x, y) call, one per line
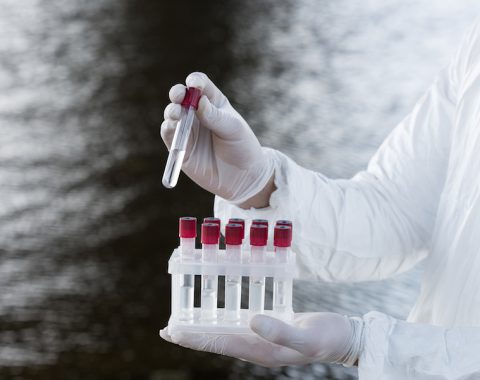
point(418, 199)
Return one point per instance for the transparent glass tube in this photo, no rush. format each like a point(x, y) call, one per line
point(282, 295)
point(175, 295)
point(233, 285)
point(256, 295)
point(256, 291)
point(282, 289)
point(177, 150)
point(209, 290)
point(187, 281)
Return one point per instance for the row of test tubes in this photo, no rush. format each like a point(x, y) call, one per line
point(237, 252)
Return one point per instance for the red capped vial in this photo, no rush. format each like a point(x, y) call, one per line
point(187, 227)
point(192, 97)
point(284, 222)
point(282, 236)
point(238, 221)
point(258, 235)
point(212, 220)
point(210, 233)
point(263, 222)
point(233, 234)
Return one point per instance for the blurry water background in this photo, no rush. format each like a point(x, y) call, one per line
point(85, 225)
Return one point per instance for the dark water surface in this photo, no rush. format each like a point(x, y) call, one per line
point(85, 225)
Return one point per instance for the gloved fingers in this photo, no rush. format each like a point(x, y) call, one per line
point(167, 131)
point(202, 81)
point(282, 355)
point(230, 345)
point(243, 347)
point(177, 93)
point(272, 356)
point(173, 112)
point(217, 120)
point(278, 332)
point(164, 335)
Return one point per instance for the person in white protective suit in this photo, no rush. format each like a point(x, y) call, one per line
point(419, 199)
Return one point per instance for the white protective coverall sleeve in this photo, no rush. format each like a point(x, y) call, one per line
point(380, 222)
point(398, 350)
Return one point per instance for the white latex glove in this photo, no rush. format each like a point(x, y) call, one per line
point(312, 337)
point(223, 155)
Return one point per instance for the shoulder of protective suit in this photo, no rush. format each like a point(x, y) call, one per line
point(469, 52)
point(466, 61)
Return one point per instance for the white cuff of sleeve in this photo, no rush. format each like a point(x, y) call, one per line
point(260, 176)
point(356, 348)
point(281, 203)
point(377, 329)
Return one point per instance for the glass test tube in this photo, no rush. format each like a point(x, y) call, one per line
point(242, 223)
point(208, 303)
point(187, 234)
point(262, 222)
point(284, 222)
point(233, 283)
point(258, 242)
point(282, 289)
point(180, 139)
point(211, 219)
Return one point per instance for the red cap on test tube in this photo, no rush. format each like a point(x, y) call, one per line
point(187, 227)
point(233, 234)
point(238, 221)
point(212, 220)
point(263, 222)
point(282, 236)
point(210, 233)
point(258, 235)
point(284, 223)
point(192, 97)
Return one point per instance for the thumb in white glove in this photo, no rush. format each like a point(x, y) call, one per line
point(313, 337)
point(223, 155)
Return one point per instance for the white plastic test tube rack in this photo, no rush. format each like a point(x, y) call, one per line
point(234, 263)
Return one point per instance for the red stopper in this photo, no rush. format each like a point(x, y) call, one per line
point(210, 233)
point(238, 221)
point(282, 236)
point(192, 97)
point(258, 235)
point(187, 227)
point(284, 223)
point(233, 234)
point(262, 222)
point(213, 220)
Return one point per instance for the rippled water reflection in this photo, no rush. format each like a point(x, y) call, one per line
point(85, 226)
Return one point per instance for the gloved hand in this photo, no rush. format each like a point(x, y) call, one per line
point(313, 337)
point(223, 155)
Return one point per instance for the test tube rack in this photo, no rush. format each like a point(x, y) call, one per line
point(179, 266)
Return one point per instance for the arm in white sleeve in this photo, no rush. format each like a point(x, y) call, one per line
point(379, 222)
point(397, 350)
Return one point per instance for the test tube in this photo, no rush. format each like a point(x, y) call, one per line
point(262, 222)
point(187, 231)
point(258, 243)
point(212, 220)
point(284, 222)
point(180, 139)
point(242, 223)
point(238, 221)
point(282, 288)
point(208, 303)
point(216, 221)
point(233, 283)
